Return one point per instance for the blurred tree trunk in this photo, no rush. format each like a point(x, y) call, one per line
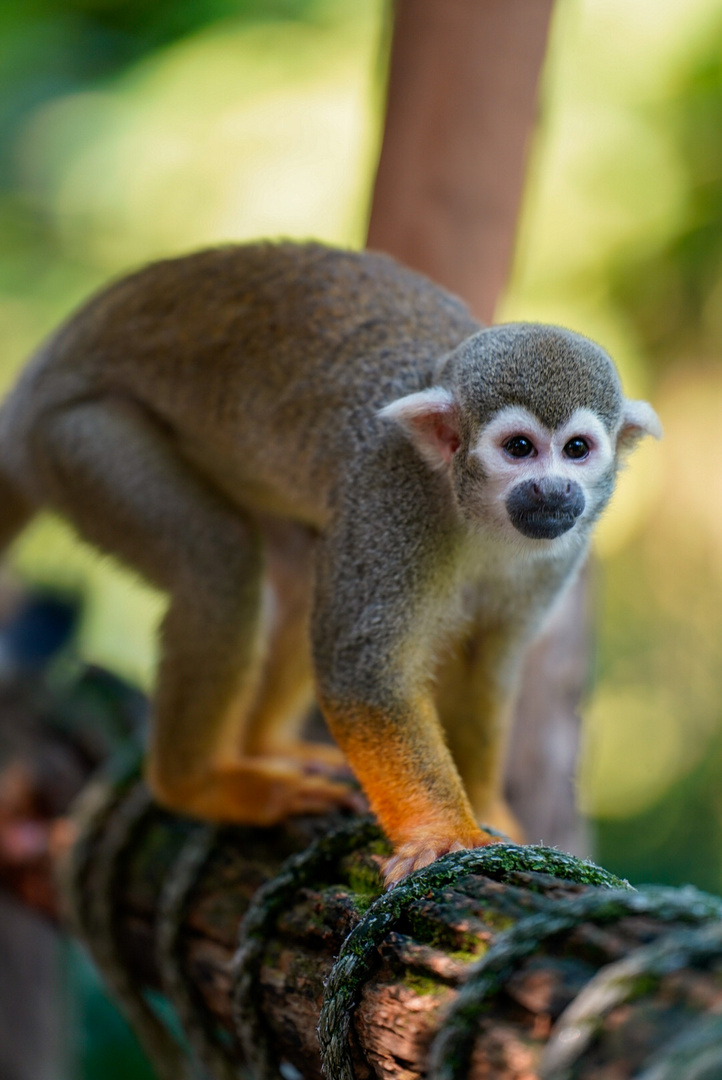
point(461, 108)
point(460, 113)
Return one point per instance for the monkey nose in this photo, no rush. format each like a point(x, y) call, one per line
point(541, 491)
point(546, 507)
point(554, 494)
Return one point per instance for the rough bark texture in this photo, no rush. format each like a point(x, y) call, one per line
point(414, 970)
point(468, 978)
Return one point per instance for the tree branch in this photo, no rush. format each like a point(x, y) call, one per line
point(395, 998)
point(491, 963)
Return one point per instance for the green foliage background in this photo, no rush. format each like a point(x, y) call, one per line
point(130, 131)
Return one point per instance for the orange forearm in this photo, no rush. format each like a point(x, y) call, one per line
point(401, 759)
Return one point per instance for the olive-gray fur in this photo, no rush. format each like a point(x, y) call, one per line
point(549, 370)
point(214, 420)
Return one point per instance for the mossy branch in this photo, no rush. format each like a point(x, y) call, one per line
point(507, 962)
point(279, 948)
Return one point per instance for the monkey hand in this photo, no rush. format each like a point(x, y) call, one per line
point(428, 847)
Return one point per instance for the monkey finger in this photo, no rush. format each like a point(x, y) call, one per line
point(419, 853)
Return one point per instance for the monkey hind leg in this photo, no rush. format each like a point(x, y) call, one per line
point(112, 470)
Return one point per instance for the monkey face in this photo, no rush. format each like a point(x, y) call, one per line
point(528, 431)
point(539, 482)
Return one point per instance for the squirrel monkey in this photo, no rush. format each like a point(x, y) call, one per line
point(339, 478)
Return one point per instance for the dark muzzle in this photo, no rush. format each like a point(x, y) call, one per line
point(544, 509)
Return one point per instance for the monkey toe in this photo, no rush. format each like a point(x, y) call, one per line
point(294, 791)
point(319, 796)
point(314, 758)
point(427, 849)
point(257, 791)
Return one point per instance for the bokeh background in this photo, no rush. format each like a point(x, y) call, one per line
point(133, 130)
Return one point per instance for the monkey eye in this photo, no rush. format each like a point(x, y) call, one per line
point(519, 446)
point(577, 448)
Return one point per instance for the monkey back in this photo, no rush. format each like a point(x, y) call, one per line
point(262, 355)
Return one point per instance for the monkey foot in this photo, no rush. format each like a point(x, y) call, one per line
point(256, 791)
point(311, 757)
point(426, 849)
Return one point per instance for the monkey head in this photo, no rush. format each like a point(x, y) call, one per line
point(530, 424)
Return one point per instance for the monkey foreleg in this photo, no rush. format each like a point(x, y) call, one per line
point(400, 757)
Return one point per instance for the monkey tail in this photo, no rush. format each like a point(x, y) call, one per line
point(17, 506)
point(15, 510)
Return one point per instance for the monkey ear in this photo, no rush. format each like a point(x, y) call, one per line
point(638, 419)
point(430, 418)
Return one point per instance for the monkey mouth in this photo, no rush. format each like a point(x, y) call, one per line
point(542, 525)
point(545, 508)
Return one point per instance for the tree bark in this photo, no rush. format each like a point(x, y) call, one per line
point(544, 943)
point(407, 1009)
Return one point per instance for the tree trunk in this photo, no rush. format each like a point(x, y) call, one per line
point(460, 112)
